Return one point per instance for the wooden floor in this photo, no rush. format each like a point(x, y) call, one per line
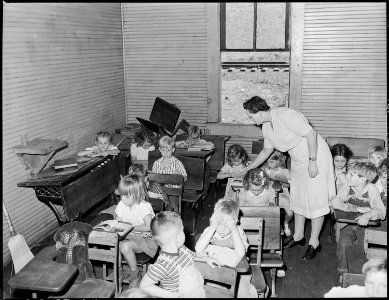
point(303, 279)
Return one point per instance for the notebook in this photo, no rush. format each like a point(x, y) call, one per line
point(65, 163)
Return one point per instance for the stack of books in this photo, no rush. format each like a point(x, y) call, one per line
point(60, 164)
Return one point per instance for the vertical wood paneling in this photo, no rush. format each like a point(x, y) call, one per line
point(62, 79)
point(165, 48)
point(344, 88)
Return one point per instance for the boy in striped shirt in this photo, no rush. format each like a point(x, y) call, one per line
point(174, 273)
point(168, 164)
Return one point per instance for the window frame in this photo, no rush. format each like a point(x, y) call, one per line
point(223, 13)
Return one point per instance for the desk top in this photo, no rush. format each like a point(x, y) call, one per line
point(199, 154)
point(43, 275)
point(349, 217)
point(40, 146)
point(50, 176)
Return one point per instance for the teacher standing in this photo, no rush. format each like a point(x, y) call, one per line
point(312, 177)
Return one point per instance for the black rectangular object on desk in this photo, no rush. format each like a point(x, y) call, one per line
point(165, 114)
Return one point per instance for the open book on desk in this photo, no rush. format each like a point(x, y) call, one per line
point(121, 228)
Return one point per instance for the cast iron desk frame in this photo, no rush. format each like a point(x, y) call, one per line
point(76, 191)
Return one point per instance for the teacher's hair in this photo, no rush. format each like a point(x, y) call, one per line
point(255, 104)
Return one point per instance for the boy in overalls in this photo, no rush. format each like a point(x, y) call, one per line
point(359, 195)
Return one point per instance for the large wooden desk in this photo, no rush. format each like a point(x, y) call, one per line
point(76, 190)
point(42, 275)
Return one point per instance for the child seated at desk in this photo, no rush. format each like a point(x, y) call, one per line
point(154, 189)
point(102, 147)
point(376, 155)
point(275, 169)
point(237, 160)
point(341, 155)
point(144, 141)
point(134, 207)
point(174, 274)
point(360, 195)
point(226, 241)
point(194, 140)
point(256, 190)
point(168, 164)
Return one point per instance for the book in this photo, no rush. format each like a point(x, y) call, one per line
point(65, 163)
point(114, 226)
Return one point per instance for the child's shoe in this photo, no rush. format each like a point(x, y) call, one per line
point(280, 273)
point(287, 230)
point(131, 277)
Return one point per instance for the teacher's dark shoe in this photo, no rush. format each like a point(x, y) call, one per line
point(291, 243)
point(311, 252)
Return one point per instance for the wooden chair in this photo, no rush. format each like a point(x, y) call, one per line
point(269, 250)
point(224, 277)
point(103, 249)
point(174, 193)
point(216, 161)
point(91, 287)
point(375, 244)
point(255, 226)
point(194, 188)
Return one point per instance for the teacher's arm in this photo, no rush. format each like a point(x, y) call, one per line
point(262, 156)
point(312, 150)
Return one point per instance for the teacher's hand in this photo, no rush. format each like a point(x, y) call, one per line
point(312, 169)
point(242, 173)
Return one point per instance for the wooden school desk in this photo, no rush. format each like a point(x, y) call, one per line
point(43, 275)
point(78, 189)
point(343, 218)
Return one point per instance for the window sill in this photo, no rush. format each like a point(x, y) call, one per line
point(241, 130)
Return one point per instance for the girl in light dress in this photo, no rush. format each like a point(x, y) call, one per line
point(237, 160)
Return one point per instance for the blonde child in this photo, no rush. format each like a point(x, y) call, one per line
point(174, 273)
point(227, 242)
point(168, 164)
point(275, 169)
point(134, 208)
point(194, 140)
point(361, 196)
point(154, 189)
point(341, 155)
point(376, 282)
point(376, 155)
point(102, 147)
point(144, 141)
point(237, 160)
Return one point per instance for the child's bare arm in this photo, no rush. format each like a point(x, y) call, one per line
point(150, 287)
point(222, 175)
point(113, 152)
point(145, 226)
point(88, 153)
point(230, 223)
point(206, 237)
